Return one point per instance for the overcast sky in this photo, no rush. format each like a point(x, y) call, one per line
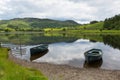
point(81, 11)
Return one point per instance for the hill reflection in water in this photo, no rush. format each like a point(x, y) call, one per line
point(69, 48)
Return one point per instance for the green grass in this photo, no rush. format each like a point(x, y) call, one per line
point(96, 26)
point(87, 28)
point(11, 71)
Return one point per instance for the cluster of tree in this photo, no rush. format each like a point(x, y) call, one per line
point(112, 23)
point(93, 22)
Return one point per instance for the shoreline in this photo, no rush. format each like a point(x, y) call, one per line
point(64, 72)
point(67, 31)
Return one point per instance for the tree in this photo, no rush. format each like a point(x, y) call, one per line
point(93, 22)
point(112, 23)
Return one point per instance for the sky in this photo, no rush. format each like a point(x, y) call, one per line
point(81, 11)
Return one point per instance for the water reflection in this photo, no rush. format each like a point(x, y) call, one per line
point(73, 54)
point(94, 64)
point(112, 40)
point(24, 53)
point(34, 39)
point(40, 38)
point(69, 48)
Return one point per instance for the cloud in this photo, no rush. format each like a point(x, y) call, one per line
point(78, 10)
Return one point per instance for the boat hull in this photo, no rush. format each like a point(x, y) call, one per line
point(38, 49)
point(93, 55)
point(92, 58)
point(38, 55)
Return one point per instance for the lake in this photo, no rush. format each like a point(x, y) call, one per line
point(68, 49)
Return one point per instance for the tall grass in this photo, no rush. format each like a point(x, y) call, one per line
point(12, 71)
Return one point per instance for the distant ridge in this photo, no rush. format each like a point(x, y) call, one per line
point(47, 20)
point(31, 24)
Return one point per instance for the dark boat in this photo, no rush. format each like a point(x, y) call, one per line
point(39, 49)
point(38, 55)
point(93, 55)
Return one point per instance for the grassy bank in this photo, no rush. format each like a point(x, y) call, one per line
point(12, 71)
point(84, 32)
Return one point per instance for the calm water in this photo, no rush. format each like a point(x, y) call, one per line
point(69, 49)
point(73, 54)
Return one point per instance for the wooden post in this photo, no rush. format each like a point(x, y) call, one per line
point(0, 44)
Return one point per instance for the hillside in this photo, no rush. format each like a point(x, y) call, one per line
point(95, 26)
point(30, 24)
point(36, 24)
point(112, 23)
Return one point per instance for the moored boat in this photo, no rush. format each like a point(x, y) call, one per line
point(38, 49)
point(38, 55)
point(93, 55)
point(29, 53)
